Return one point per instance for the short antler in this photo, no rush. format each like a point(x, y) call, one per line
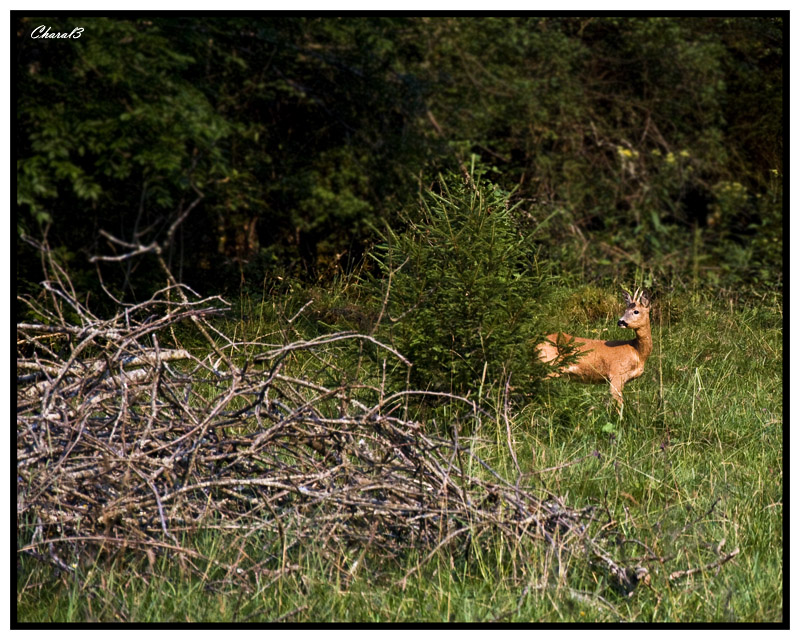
point(639, 296)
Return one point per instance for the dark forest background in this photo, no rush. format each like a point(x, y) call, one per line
point(289, 146)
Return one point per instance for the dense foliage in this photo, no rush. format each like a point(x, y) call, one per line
point(635, 143)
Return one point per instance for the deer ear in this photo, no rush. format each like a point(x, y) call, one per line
point(645, 299)
point(627, 297)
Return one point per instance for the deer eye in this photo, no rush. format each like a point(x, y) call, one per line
point(636, 313)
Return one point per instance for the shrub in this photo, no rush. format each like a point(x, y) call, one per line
point(460, 288)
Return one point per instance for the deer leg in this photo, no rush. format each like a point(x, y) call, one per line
point(617, 385)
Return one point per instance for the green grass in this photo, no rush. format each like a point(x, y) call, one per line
point(691, 471)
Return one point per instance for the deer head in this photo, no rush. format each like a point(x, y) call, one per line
point(637, 313)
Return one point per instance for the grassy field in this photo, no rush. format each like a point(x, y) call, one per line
point(691, 477)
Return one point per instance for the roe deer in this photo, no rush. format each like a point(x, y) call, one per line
point(612, 361)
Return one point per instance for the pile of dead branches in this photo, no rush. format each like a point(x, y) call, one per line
point(125, 442)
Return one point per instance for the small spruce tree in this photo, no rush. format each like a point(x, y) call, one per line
point(462, 296)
